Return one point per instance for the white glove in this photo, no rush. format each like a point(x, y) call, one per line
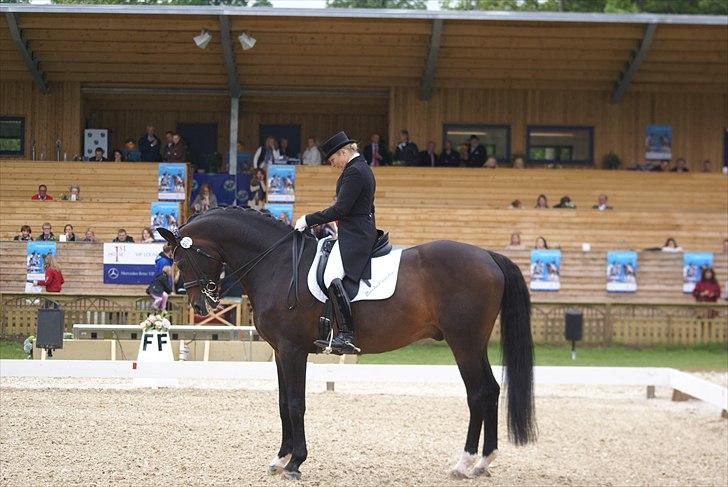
point(301, 224)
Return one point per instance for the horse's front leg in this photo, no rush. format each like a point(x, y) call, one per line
point(284, 454)
point(293, 362)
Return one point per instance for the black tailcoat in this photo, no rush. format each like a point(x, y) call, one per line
point(354, 211)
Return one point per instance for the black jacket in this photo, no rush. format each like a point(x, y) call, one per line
point(407, 153)
point(425, 159)
point(354, 210)
point(160, 284)
point(450, 160)
point(384, 161)
point(149, 152)
point(476, 157)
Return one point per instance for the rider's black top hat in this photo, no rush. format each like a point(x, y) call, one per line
point(334, 143)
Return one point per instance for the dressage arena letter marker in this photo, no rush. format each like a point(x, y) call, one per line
point(154, 347)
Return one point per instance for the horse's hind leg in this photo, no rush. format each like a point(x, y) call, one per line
point(490, 422)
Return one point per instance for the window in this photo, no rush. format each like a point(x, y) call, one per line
point(12, 136)
point(495, 138)
point(562, 145)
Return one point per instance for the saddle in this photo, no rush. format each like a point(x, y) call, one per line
point(382, 247)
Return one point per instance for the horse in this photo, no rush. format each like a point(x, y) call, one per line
point(445, 291)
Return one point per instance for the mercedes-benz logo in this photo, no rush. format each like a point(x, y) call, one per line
point(113, 273)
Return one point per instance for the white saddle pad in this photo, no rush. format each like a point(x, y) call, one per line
point(383, 281)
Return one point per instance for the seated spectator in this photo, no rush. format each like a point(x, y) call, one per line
point(68, 235)
point(47, 234)
point(602, 203)
point(428, 157)
point(258, 190)
point(376, 153)
point(516, 205)
point(285, 151)
point(448, 156)
point(663, 166)
point(680, 166)
point(541, 244)
point(74, 193)
point(168, 150)
point(671, 246)
point(161, 287)
point(179, 149)
point(312, 155)
point(149, 146)
point(266, 154)
point(118, 156)
point(475, 156)
point(130, 145)
point(164, 258)
point(42, 194)
point(707, 289)
point(283, 216)
point(406, 150)
point(122, 236)
point(205, 199)
point(98, 156)
point(491, 163)
point(565, 202)
point(90, 236)
point(147, 235)
point(53, 275)
point(542, 202)
point(707, 166)
point(25, 234)
point(519, 162)
point(515, 242)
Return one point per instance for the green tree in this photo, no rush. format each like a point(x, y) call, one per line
point(406, 4)
point(690, 7)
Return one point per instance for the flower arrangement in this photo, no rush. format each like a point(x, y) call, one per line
point(159, 322)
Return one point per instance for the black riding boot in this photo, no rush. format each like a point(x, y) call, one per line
point(344, 341)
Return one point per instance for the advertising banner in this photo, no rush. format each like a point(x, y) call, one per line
point(223, 187)
point(281, 184)
point(35, 263)
point(164, 214)
point(545, 270)
point(172, 179)
point(622, 271)
point(693, 265)
point(281, 212)
point(658, 142)
point(130, 263)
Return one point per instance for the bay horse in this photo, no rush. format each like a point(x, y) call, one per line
point(445, 290)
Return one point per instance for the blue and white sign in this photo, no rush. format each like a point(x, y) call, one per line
point(693, 265)
point(281, 212)
point(35, 254)
point(545, 270)
point(164, 214)
point(281, 184)
point(658, 142)
point(130, 263)
point(224, 187)
point(622, 271)
point(172, 179)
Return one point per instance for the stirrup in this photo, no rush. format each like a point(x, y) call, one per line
point(353, 347)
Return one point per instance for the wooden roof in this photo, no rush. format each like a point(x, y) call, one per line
point(318, 50)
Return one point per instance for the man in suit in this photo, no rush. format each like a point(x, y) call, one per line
point(149, 146)
point(354, 211)
point(476, 153)
point(406, 150)
point(428, 157)
point(449, 157)
point(376, 153)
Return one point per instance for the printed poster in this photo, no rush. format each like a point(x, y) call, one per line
point(693, 265)
point(35, 263)
point(223, 187)
point(658, 142)
point(281, 212)
point(164, 214)
point(281, 184)
point(172, 179)
point(545, 270)
point(130, 263)
point(622, 271)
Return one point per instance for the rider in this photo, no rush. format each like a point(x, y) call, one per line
point(354, 211)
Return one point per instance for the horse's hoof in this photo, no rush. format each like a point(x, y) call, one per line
point(480, 472)
point(458, 474)
point(289, 475)
point(274, 469)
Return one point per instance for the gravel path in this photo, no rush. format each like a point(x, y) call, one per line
point(66, 432)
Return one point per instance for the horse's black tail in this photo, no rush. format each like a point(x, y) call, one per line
point(517, 350)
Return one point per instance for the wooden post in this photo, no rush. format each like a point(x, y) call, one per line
point(330, 386)
point(650, 392)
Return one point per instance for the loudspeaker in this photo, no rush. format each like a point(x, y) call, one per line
point(49, 332)
point(574, 324)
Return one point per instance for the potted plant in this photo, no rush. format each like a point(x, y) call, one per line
point(611, 161)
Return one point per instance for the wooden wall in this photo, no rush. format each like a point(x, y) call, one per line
point(56, 114)
point(698, 120)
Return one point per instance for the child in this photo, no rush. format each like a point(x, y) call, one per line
point(160, 288)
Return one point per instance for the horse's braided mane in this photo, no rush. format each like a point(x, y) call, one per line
point(238, 211)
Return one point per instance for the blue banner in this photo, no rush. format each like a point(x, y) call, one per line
point(172, 179)
point(693, 265)
point(658, 142)
point(35, 254)
point(282, 212)
point(545, 270)
point(622, 271)
point(223, 187)
point(281, 184)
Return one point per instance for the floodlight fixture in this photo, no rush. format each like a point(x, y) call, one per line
point(202, 39)
point(247, 41)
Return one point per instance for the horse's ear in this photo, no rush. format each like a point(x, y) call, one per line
point(168, 236)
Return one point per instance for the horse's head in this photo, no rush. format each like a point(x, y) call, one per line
point(200, 266)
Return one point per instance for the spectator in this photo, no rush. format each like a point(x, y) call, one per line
point(449, 157)
point(53, 275)
point(179, 149)
point(406, 150)
point(565, 202)
point(118, 156)
point(205, 199)
point(68, 234)
point(47, 234)
point(122, 236)
point(663, 166)
point(161, 287)
point(541, 244)
point(285, 151)
point(90, 236)
point(707, 166)
point(74, 193)
point(542, 202)
point(519, 163)
point(149, 146)
point(147, 235)
point(515, 242)
point(42, 194)
point(475, 156)
point(258, 190)
point(491, 163)
point(168, 151)
point(312, 154)
point(428, 157)
point(707, 289)
point(283, 216)
point(98, 156)
point(671, 246)
point(376, 153)
point(680, 166)
point(516, 205)
point(164, 258)
point(602, 203)
point(25, 234)
point(266, 154)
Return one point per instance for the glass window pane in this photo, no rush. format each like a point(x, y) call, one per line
point(494, 138)
point(560, 144)
point(11, 135)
